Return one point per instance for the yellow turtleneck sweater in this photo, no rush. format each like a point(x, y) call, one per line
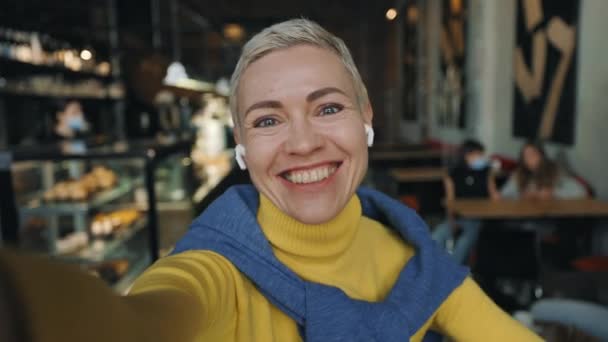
point(201, 296)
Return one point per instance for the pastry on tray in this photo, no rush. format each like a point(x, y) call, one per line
point(108, 224)
point(98, 179)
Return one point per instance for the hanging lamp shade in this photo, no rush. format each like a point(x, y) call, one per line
point(176, 73)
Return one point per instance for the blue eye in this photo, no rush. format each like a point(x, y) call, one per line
point(265, 122)
point(331, 109)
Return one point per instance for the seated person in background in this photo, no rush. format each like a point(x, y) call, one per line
point(471, 178)
point(538, 177)
point(71, 122)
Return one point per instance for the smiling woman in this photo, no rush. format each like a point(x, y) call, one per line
point(302, 119)
point(304, 253)
point(303, 124)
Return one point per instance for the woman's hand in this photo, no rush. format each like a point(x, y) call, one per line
point(545, 194)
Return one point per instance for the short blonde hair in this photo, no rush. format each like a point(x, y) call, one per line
point(285, 35)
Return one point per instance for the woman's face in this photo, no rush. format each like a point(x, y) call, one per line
point(303, 132)
point(531, 158)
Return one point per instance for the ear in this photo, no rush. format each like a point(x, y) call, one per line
point(239, 151)
point(367, 113)
point(239, 155)
point(236, 135)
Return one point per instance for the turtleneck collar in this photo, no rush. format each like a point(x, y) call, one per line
point(290, 236)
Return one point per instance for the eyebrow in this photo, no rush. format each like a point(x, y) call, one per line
point(263, 104)
point(315, 95)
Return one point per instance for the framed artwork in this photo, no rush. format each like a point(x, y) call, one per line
point(544, 69)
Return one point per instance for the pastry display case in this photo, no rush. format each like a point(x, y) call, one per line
point(93, 205)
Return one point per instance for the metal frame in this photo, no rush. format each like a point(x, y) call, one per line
point(9, 217)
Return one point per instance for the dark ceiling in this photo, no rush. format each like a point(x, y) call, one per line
point(203, 49)
point(86, 22)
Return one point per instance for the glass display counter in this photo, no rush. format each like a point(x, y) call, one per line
point(96, 206)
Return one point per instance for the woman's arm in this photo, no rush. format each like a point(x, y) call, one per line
point(468, 314)
point(171, 302)
point(448, 185)
point(510, 190)
point(492, 188)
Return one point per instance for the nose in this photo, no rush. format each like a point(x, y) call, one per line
point(303, 139)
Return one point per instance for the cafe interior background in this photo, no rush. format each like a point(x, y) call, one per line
point(151, 77)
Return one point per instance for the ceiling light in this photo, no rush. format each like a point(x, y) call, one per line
point(234, 32)
point(391, 14)
point(176, 72)
point(86, 54)
point(412, 14)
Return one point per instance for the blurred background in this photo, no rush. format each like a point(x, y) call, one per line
point(115, 131)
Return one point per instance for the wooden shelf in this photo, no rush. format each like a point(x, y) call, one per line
point(55, 68)
point(59, 96)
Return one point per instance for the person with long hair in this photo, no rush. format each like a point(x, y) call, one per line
point(538, 177)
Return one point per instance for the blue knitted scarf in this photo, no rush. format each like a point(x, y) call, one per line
point(324, 313)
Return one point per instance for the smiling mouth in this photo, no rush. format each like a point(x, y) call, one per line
point(311, 175)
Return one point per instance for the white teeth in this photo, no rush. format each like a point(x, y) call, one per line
point(306, 177)
point(314, 176)
point(318, 175)
point(310, 176)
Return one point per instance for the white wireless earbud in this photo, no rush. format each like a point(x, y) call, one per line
point(239, 154)
point(369, 132)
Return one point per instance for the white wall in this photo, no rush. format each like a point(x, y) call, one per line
point(590, 153)
point(490, 73)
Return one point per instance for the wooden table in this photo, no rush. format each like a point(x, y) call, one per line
point(496, 254)
point(404, 155)
point(418, 174)
point(400, 147)
point(503, 209)
point(385, 160)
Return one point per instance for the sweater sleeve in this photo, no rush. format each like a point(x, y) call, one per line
point(569, 188)
point(468, 314)
point(510, 190)
point(177, 299)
